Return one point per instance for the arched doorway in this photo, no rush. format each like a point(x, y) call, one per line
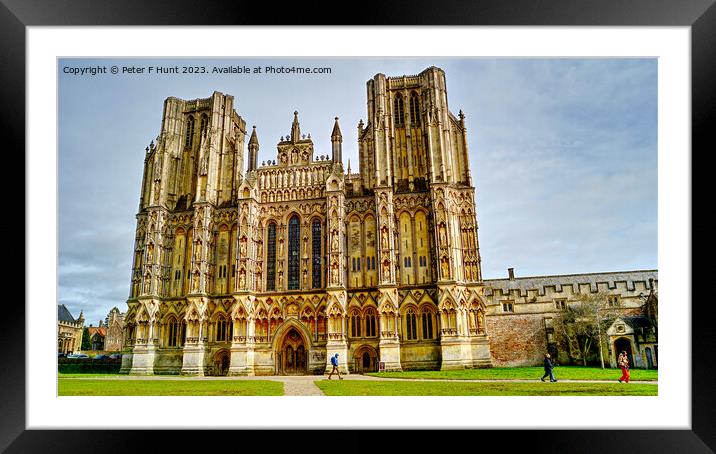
point(292, 358)
point(623, 345)
point(221, 362)
point(365, 360)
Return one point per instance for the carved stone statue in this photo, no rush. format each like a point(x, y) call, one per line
point(334, 245)
point(242, 279)
point(334, 274)
point(195, 283)
point(445, 270)
point(384, 238)
point(243, 247)
point(443, 236)
point(386, 271)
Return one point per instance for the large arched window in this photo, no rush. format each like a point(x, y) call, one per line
point(271, 257)
point(399, 111)
point(223, 330)
point(355, 324)
point(414, 111)
point(411, 330)
point(189, 139)
point(294, 252)
point(204, 123)
point(427, 320)
point(370, 323)
point(175, 332)
point(316, 259)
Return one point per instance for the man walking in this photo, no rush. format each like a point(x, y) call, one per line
point(334, 362)
point(548, 366)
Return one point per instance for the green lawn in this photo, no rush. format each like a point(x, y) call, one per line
point(75, 387)
point(522, 373)
point(417, 388)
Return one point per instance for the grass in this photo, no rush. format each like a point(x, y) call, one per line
point(524, 373)
point(99, 387)
point(417, 388)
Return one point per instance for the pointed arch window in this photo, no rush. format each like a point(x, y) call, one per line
point(294, 252)
point(411, 330)
point(427, 319)
point(204, 123)
point(399, 111)
point(224, 330)
point(370, 323)
point(316, 260)
point(355, 325)
point(414, 111)
point(189, 138)
point(271, 257)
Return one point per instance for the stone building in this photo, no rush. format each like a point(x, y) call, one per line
point(69, 330)
point(524, 316)
point(247, 269)
point(114, 339)
point(97, 335)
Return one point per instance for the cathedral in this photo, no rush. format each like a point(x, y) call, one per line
point(248, 269)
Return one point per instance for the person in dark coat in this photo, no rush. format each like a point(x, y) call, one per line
point(548, 367)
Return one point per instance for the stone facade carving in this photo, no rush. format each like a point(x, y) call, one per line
point(236, 254)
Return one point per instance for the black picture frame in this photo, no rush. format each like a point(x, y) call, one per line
point(699, 15)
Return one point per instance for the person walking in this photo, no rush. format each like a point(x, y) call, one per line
point(334, 362)
point(548, 367)
point(623, 363)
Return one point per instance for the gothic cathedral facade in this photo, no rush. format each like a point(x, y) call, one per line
point(272, 269)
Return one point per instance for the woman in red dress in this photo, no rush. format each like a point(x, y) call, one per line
point(623, 363)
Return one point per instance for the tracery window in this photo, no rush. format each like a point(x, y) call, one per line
point(175, 333)
point(411, 329)
point(271, 257)
point(204, 123)
point(399, 111)
point(189, 139)
point(414, 112)
point(355, 325)
point(370, 323)
point(294, 245)
point(316, 231)
point(427, 317)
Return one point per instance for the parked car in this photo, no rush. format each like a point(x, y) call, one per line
point(61, 355)
point(115, 356)
point(77, 355)
point(100, 356)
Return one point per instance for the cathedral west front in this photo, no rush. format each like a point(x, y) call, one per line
point(243, 268)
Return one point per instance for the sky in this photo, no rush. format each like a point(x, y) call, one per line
point(563, 154)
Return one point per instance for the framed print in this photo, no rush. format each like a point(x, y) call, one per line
point(87, 78)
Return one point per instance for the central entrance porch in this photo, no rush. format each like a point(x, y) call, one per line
point(292, 355)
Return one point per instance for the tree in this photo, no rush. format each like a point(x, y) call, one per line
point(585, 321)
point(86, 342)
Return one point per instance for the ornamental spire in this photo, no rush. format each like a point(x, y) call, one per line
point(295, 129)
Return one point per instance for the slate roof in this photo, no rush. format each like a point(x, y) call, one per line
point(63, 314)
point(557, 281)
point(637, 321)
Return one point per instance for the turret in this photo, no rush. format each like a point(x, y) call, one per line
point(336, 141)
point(253, 150)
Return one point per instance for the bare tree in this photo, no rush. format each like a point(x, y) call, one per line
point(584, 321)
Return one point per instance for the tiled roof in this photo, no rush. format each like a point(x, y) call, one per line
point(63, 314)
point(540, 282)
point(94, 329)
